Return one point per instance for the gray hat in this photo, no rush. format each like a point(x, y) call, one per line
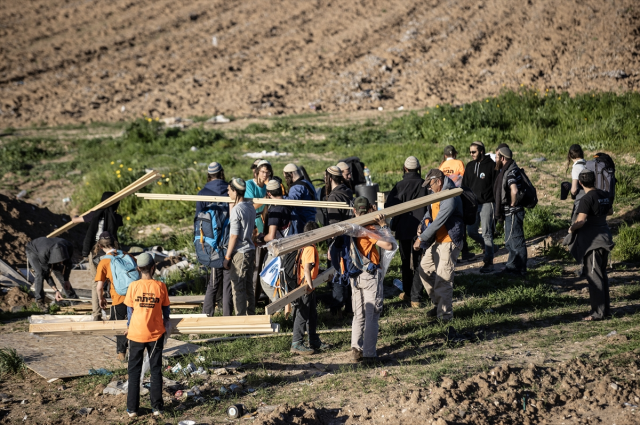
point(238, 183)
point(145, 259)
point(214, 167)
point(290, 168)
point(505, 151)
point(411, 163)
point(342, 166)
point(273, 185)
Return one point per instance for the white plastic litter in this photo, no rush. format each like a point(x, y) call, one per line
point(265, 154)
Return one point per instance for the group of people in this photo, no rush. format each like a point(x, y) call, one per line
point(430, 241)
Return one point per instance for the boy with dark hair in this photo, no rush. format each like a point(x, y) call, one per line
point(147, 302)
point(300, 189)
point(305, 307)
point(240, 255)
point(590, 242)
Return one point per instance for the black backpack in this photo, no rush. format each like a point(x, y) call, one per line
point(357, 169)
point(528, 196)
point(469, 206)
point(604, 168)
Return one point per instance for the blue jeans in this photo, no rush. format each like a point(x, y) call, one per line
point(514, 242)
point(484, 215)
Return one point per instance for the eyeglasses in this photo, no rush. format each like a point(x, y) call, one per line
point(473, 152)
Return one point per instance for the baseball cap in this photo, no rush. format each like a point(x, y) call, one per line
point(361, 204)
point(434, 173)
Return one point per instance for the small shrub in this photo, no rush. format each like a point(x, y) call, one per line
point(542, 221)
point(10, 362)
point(627, 247)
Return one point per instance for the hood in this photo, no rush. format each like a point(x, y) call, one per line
point(448, 184)
point(58, 254)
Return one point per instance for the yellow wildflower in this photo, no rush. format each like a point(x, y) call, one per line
point(163, 175)
point(159, 183)
point(444, 119)
point(121, 165)
point(128, 218)
point(167, 179)
point(112, 162)
point(129, 169)
point(437, 106)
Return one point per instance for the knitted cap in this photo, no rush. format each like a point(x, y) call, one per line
point(342, 166)
point(361, 204)
point(333, 170)
point(144, 259)
point(273, 185)
point(214, 167)
point(238, 183)
point(411, 163)
point(434, 173)
point(262, 162)
point(450, 150)
point(290, 168)
point(505, 151)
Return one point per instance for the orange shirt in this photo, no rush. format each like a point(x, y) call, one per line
point(103, 273)
point(147, 297)
point(442, 235)
point(367, 245)
point(452, 168)
point(309, 256)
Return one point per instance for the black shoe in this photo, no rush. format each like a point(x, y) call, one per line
point(510, 273)
point(433, 312)
point(371, 361)
point(466, 256)
point(487, 268)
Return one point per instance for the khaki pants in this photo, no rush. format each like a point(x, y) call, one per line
point(366, 300)
point(436, 274)
point(95, 303)
point(242, 265)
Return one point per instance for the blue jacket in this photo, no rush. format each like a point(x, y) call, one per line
point(212, 188)
point(302, 190)
point(450, 216)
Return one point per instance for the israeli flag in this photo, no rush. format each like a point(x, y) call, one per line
point(271, 271)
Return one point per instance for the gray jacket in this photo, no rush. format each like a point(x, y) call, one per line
point(450, 216)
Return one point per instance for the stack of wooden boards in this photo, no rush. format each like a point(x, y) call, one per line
point(186, 326)
point(145, 180)
point(177, 302)
point(265, 201)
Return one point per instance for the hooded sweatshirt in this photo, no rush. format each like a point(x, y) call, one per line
point(51, 251)
point(407, 189)
point(213, 188)
point(479, 177)
point(449, 216)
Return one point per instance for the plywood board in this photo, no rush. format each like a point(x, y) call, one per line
point(68, 357)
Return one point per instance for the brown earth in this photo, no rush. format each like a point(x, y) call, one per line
point(69, 61)
point(20, 222)
point(15, 298)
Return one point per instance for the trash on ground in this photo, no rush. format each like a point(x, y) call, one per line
point(265, 154)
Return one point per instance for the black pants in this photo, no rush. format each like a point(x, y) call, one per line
point(40, 277)
point(595, 268)
point(119, 312)
point(136, 358)
point(341, 297)
point(407, 256)
point(219, 283)
point(305, 318)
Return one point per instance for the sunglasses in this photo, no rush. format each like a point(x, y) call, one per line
point(473, 152)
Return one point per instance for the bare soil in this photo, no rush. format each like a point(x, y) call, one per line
point(15, 298)
point(69, 62)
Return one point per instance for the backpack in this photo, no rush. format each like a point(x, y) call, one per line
point(211, 234)
point(605, 170)
point(528, 196)
point(124, 270)
point(357, 169)
point(469, 206)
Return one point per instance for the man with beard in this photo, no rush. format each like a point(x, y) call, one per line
point(505, 192)
point(302, 190)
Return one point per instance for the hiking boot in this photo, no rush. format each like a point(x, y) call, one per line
point(487, 268)
point(157, 413)
point(319, 345)
point(132, 414)
point(415, 304)
point(122, 357)
point(401, 296)
point(433, 312)
point(356, 354)
point(370, 361)
point(300, 348)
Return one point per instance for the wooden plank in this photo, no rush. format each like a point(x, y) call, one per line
point(298, 292)
point(123, 193)
point(13, 276)
point(289, 244)
point(186, 299)
point(232, 338)
point(265, 201)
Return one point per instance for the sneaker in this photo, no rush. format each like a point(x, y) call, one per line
point(415, 304)
point(487, 268)
point(401, 296)
point(319, 345)
point(122, 357)
point(132, 414)
point(157, 413)
point(356, 354)
point(300, 348)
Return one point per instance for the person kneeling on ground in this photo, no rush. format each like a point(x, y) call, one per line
point(590, 242)
point(444, 237)
point(147, 303)
point(305, 307)
point(240, 257)
point(366, 289)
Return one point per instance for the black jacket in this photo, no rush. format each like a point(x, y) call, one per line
point(51, 251)
point(340, 193)
point(479, 177)
point(407, 189)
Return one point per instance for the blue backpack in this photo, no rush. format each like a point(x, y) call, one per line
point(211, 230)
point(347, 261)
point(123, 271)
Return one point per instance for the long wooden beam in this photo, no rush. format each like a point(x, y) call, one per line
point(265, 201)
point(232, 338)
point(289, 244)
point(123, 193)
point(298, 292)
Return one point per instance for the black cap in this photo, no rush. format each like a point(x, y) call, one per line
point(434, 173)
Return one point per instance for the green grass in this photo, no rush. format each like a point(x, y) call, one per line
point(10, 362)
point(627, 243)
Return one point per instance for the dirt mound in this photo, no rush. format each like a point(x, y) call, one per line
point(20, 222)
point(15, 298)
point(580, 391)
point(105, 61)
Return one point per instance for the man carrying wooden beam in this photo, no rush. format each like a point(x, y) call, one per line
point(240, 254)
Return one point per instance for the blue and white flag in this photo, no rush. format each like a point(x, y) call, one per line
point(271, 271)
